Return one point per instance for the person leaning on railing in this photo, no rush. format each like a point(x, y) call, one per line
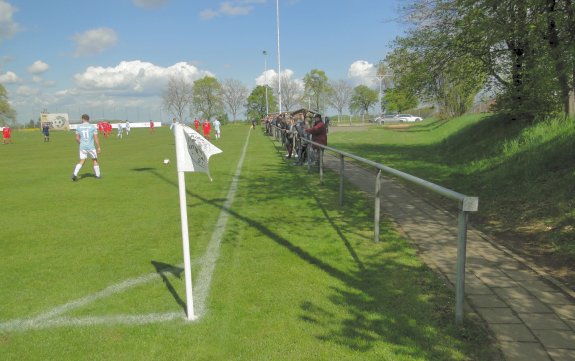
point(318, 134)
point(301, 146)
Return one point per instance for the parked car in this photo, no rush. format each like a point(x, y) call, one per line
point(384, 118)
point(408, 118)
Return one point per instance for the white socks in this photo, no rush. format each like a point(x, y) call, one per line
point(77, 169)
point(79, 166)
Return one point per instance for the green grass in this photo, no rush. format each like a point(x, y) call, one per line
point(297, 278)
point(524, 175)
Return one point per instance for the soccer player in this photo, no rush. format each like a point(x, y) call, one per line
point(6, 135)
point(46, 131)
point(120, 129)
point(217, 130)
point(207, 127)
point(197, 124)
point(127, 126)
point(87, 138)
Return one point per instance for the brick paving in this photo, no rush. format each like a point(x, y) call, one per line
point(531, 315)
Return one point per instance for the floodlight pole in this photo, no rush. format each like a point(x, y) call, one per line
point(279, 63)
point(266, 80)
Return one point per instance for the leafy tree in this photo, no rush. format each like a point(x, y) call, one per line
point(363, 99)
point(256, 105)
point(7, 113)
point(234, 96)
point(177, 97)
point(399, 100)
point(316, 88)
point(207, 97)
point(523, 50)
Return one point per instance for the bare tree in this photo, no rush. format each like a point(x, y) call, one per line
point(291, 92)
point(234, 96)
point(177, 97)
point(340, 96)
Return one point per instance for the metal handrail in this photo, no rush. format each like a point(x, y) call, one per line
point(465, 204)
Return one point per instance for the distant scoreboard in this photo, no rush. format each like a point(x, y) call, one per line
point(56, 121)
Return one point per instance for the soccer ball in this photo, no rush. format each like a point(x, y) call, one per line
point(166, 161)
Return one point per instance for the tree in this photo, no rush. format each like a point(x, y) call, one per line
point(207, 97)
point(256, 105)
point(234, 96)
point(363, 99)
point(316, 88)
point(398, 100)
point(340, 96)
point(177, 97)
point(290, 93)
point(524, 50)
point(7, 113)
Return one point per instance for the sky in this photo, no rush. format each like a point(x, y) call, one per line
point(112, 58)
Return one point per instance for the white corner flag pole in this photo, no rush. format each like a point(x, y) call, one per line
point(185, 240)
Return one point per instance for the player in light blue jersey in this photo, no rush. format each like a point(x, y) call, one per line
point(87, 138)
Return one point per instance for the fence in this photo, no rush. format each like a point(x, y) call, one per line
point(465, 205)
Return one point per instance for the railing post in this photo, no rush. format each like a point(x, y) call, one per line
point(320, 166)
point(341, 177)
point(461, 255)
point(377, 206)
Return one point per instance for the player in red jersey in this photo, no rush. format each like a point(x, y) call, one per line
point(207, 127)
point(6, 135)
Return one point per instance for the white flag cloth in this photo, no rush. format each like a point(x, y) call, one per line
point(192, 150)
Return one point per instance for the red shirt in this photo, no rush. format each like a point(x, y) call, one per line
point(196, 123)
point(6, 132)
point(318, 133)
point(207, 127)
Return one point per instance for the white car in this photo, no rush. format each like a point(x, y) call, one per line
point(408, 118)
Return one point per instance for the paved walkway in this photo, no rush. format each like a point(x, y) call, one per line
point(531, 315)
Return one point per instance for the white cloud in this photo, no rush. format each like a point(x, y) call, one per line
point(231, 8)
point(8, 27)
point(362, 72)
point(94, 41)
point(135, 77)
point(38, 67)
point(270, 77)
point(149, 4)
point(208, 14)
point(26, 90)
point(267, 77)
point(9, 78)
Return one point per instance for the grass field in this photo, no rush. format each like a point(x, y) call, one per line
point(91, 270)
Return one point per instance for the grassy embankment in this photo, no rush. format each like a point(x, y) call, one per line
point(524, 175)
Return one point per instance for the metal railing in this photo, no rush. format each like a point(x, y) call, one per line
point(465, 205)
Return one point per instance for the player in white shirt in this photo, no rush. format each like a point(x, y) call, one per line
point(87, 138)
point(217, 126)
point(120, 130)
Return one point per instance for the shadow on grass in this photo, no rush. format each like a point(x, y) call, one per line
point(384, 298)
point(162, 269)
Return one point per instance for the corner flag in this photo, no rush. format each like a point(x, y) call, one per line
point(192, 150)
point(192, 154)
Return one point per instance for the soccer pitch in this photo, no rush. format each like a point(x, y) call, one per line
point(92, 270)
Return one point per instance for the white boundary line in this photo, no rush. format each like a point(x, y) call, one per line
point(51, 318)
point(213, 252)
